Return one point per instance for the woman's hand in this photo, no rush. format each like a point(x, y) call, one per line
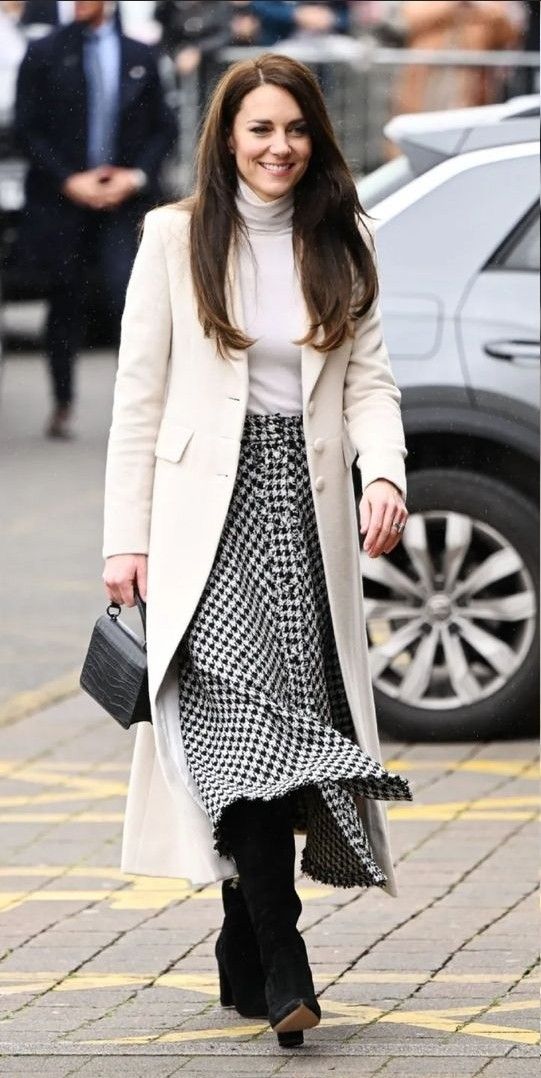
point(381, 507)
point(120, 574)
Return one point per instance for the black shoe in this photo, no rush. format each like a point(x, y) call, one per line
point(261, 840)
point(59, 425)
point(242, 980)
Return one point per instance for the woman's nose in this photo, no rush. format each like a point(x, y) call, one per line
point(279, 145)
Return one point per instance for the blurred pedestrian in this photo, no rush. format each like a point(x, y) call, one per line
point(482, 25)
point(12, 49)
point(193, 31)
point(252, 368)
point(91, 118)
point(244, 24)
point(283, 19)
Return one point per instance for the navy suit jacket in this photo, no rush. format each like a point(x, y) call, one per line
point(51, 129)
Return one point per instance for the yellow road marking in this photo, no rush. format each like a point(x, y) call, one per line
point(142, 892)
point(26, 703)
point(482, 808)
point(61, 817)
point(511, 808)
point(13, 983)
point(348, 1014)
point(521, 768)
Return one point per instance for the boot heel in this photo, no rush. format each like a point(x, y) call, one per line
point(226, 992)
point(291, 1040)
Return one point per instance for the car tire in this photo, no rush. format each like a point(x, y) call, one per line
point(499, 512)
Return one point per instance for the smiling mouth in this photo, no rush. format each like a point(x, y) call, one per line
point(276, 169)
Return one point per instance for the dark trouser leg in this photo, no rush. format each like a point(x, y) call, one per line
point(117, 247)
point(65, 322)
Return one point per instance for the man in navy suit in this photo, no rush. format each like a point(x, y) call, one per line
point(92, 120)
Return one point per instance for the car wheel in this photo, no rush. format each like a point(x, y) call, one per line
point(452, 613)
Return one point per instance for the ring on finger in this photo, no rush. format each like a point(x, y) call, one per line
point(398, 526)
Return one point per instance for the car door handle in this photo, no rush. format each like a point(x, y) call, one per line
point(513, 351)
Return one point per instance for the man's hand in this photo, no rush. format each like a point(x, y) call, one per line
point(381, 507)
point(117, 185)
point(102, 188)
point(85, 188)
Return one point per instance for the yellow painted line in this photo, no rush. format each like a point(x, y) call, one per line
point(482, 808)
point(347, 1014)
point(89, 871)
point(39, 775)
point(180, 1036)
point(26, 703)
point(143, 892)
point(82, 765)
point(521, 768)
point(61, 817)
point(12, 983)
point(420, 977)
point(508, 808)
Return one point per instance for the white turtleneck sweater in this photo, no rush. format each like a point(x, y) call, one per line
point(273, 310)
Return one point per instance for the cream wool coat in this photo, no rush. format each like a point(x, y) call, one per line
point(172, 458)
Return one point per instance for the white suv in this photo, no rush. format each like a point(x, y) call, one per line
point(452, 613)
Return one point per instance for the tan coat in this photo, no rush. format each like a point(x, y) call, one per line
point(446, 24)
point(172, 458)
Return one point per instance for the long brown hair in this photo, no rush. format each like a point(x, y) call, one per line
point(337, 271)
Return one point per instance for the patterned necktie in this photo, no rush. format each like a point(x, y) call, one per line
point(101, 108)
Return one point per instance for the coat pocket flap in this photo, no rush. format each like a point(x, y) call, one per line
point(172, 440)
point(348, 449)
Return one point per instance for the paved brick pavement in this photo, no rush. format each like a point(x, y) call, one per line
point(109, 975)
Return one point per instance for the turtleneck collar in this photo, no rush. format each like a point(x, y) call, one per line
point(261, 216)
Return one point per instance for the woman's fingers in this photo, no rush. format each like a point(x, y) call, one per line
point(389, 513)
point(380, 509)
point(142, 577)
point(119, 576)
point(395, 536)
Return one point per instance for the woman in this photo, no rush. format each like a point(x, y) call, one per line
point(251, 371)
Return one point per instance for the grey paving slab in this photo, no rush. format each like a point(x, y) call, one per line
point(511, 1068)
point(468, 1067)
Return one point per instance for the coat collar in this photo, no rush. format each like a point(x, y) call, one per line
point(312, 361)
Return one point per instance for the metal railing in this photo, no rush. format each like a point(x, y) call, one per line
point(359, 78)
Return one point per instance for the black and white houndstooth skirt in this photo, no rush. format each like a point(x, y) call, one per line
point(262, 705)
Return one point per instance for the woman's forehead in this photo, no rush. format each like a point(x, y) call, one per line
point(270, 102)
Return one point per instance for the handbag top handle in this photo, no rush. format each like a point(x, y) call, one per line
point(141, 606)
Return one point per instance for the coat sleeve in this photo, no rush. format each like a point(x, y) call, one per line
point(33, 96)
point(372, 404)
point(143, 361)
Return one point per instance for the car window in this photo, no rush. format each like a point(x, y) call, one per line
point(524, 255)
point(520, 250)
point(384, 181)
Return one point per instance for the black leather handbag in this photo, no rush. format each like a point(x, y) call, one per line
point(115, 671)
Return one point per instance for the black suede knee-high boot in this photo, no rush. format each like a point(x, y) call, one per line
point(260, 836)
point(242, 981)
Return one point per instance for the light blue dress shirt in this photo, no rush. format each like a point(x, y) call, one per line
point(102, 72)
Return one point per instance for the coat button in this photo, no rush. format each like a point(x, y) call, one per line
point(320, 482)
point(319, 445)
point(311, 407)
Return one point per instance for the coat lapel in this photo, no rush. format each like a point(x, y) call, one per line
point(312, 361)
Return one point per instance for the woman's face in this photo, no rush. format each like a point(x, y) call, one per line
point(270, 141)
